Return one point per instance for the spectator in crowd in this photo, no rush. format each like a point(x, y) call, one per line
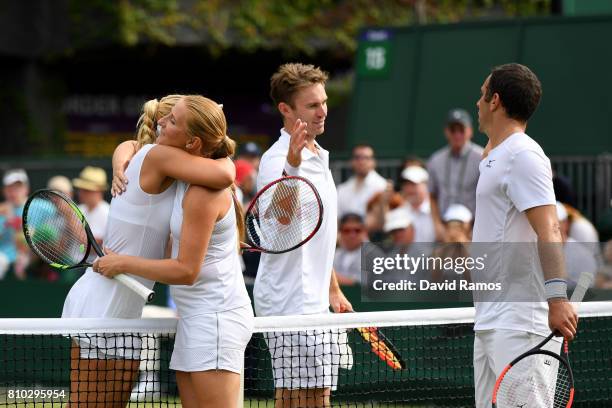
point(13, 249)
point(580, 229)
point(246, 176)
point(457, 223)
point(414, 190)
point(457, 233)
point(453, 169)
point(61, 184)
point(250, 152)
point(381, 203)
point(91, 185)
point(354, 194)
point(578, 257)
point(564, 190)
point(399, 225)
point(603, 279)
point(347, 259)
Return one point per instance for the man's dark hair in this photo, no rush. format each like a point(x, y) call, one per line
point(350, 217)
point(519, 90)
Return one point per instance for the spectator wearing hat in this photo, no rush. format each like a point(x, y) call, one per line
point(91, 185)
point(355, 193)
point(453, 169)
point(414, 190)
point(13, 250)
point(457, 234)
point(250, 152)
point(458, 223)
point(399, 226)
point(61, 184)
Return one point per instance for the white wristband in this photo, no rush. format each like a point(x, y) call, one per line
point(555, 288)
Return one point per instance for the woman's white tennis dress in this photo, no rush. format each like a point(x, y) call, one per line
point(215, 313)
point(139, 225)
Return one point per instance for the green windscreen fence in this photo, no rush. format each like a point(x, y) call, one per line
point(407, 79)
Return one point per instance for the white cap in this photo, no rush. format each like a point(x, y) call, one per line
point(15, 176)
point(416, 174)
point(561, 212)
point(398, 218)
point(457, 212)
point(60, 183)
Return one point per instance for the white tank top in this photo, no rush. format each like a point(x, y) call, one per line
point(219, 286)
point(139, 225)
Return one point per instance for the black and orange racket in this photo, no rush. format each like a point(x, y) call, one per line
point(283, 216)
point(382, 347)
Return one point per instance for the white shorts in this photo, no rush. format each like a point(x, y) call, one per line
point(305, 359)
point(213, 341)
point(493, 351)
point(125, 346)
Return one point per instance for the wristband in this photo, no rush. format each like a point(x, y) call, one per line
point(555, 288)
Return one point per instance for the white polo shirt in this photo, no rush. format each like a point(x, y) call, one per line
point(297, 282)
point(353, 197)
point(514, 177)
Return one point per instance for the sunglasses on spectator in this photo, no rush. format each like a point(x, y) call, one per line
point(347, 230)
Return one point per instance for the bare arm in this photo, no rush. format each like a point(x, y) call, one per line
point(121, 158)
point(196, 230)
point(180, 165)
point(543, 219)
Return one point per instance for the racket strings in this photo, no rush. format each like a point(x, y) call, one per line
point(284, 215)
point(536, 380)
point(55, 230)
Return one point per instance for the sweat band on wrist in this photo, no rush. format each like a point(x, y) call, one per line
point(555, 288)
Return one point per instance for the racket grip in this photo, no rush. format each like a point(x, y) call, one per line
point(140, 289)
point(583, 284)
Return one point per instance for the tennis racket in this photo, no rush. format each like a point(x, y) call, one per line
point(57, 231)
point(540, 378)
point(283, 216)
point(382, 347)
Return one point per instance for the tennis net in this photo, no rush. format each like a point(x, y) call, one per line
point(428, 362)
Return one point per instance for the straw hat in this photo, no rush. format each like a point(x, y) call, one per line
point(92, 179)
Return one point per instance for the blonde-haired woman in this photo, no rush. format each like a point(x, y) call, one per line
point(215, 311)
point(138, 224)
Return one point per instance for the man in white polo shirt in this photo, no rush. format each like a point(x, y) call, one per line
point(515, 208)
point(301, 281)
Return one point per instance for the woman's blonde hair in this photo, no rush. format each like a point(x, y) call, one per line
point(205, 120)
point(152, 112)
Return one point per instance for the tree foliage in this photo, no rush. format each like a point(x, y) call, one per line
point(293, 26)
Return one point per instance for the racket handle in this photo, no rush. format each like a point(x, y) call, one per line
point(140, 289)
point(583, 284)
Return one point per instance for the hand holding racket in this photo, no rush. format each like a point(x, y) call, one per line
point(57, 231)
point(283, 216)
point(540, 377)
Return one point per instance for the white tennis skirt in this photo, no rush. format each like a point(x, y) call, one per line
point(213, 341)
